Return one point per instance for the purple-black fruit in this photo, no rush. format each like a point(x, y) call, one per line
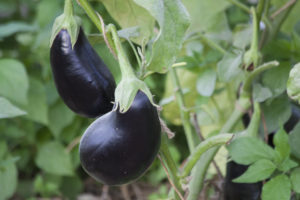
point(82, 79)
point(118, 148)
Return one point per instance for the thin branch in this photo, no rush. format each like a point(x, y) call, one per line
point(283, 8)
point(73, 143)
point(170, 180)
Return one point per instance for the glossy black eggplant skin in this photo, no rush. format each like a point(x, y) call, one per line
point(118, 148)
point(239, 191)
point(82, 79)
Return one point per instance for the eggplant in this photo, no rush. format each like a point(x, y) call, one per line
point(82, 79)
point(118, 148)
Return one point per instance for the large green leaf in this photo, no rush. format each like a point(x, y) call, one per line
point(8, 179)
point(14, 27)
point(129, 14)
point(173, 21)
point(8, 110)
point(258, 171)
point(13, 80)
point(278, 188)
point(59, 117)
point(209, 16)
point(53, 159)
point(276, 112)
point(294, 140)
point(295, 179)
point(37, 108)
point(281, 141)
point(247, 150)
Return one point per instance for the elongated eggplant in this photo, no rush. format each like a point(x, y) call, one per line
point(118, 148)
point(82, 79)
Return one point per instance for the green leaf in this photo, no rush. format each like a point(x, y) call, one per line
point(293, 84)
point(294, 140)
point(276, 112)
point(8, 110)
point(129, 14)
point(247, 150)
point(281, 141)
point(278, 188)
point(286, 165)
point(229, 67)
point(206, 82)
point(242, 37)
point(37, 107)
point(173, 20)
point(261, 93)
point(53, 158)
point(8, 179)
point(209, 17)
point(59, 117)
point(281, 73)
point(14, 27)
point(258, 171)
point(13, 80)
point(295, 179)
point(3, 149)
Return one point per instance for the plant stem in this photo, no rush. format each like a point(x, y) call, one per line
point(95, 19)
point(125, 65)
point(183, 113)
point(255, 73)
point(240, 5)
point(260, 9)
point(68, 9)
point(202, 148)
point(212, 44)
point(167, 157)
point(253, 127)
point(197, 181)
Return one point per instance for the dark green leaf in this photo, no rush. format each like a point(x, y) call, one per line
point(247, 150)
point(13, 80)
point(276, 112)
point(281, 141)
point(258, 171)
point(53, 159)
point(278, 188)
point(294, 140)
point(295, 179)
point(8, 110)
point(173, 21)
point(8, 179)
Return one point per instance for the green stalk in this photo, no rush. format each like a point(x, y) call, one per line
point(183, 113)
point(240, 5)
point(248, 83)
point(260, 9)
point(95, 19)
point(253, 127)
point(212, 44)
point(125, 65)
point(202, 148)
point(171, 165)
point(68, 8)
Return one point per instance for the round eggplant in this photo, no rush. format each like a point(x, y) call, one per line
point(118, 148)
point(82, 79)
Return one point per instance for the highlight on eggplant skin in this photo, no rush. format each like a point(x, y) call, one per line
point(82, 79)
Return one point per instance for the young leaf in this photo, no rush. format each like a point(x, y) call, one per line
point(295, 179)
point(258, 171)
point(293, 84)
point(261, 93)
point(229, 67)
point(53, 158)
point(294, 140)
point(281, 141)
point(13, 80)
point(173, 20)
point(276, 112)
point(278, 188)
point(247, 150)
point(8, 110)
point(286, 165)
point(206, 82)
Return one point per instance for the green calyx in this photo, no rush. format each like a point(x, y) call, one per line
point(129, 84)
point(67, 21)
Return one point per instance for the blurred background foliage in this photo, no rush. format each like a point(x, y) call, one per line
point(39, 135)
